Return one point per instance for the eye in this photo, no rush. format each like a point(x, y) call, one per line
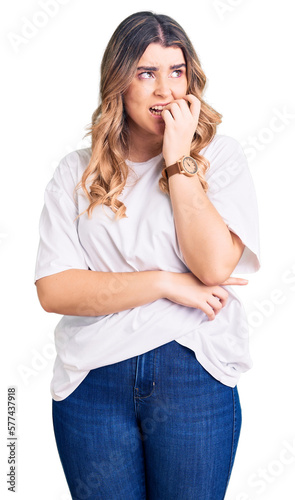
point(177, 73)
point(145, 75)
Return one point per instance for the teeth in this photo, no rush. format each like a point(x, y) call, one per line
point(157, 110)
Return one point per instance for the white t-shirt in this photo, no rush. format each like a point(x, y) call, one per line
point(145, 240)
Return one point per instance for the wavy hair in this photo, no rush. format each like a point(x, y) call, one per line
point(106, 174)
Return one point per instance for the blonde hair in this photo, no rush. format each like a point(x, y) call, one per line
point(105, 176)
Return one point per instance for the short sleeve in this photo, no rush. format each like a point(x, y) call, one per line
point(232, 192)
point(59, 246)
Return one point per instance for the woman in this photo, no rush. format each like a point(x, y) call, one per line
point(139, 237)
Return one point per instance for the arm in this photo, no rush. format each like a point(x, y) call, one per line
point(210, 249)
point(79, 292)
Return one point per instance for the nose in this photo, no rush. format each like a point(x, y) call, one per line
point(162, 87)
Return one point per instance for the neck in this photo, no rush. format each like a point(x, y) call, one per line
point(143, 148)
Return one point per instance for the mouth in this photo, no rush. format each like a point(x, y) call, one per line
point(156, 110)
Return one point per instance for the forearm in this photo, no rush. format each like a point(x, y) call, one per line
point(78, 292)
point(210, 250)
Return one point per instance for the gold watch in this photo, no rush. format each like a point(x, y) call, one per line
point(186, 166)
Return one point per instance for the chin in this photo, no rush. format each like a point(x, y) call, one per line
point(160, 129)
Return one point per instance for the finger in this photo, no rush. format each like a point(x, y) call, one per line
point(174, 109)
point(235, 281)
point(167, 117)
point(215, 303)
point(207, 309)
point(195, 104)
point(221, 294)
point(223, 298)
point(183, 105)
point(185, 108)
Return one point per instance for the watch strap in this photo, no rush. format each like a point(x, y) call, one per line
point(172, 169)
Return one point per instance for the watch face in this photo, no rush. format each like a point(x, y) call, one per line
point(190, 165)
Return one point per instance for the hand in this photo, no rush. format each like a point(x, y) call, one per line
point(187, 290)
point(181, 119)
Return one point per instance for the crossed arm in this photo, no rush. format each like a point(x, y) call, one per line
point(211, 251)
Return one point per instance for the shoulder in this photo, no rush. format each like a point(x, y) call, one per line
point(69, 170)
point(222, 146)
point(224, 152)
point(74, 163)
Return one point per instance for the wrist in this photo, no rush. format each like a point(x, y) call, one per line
point(164, 284)
point(186, 165)
point(171, 159)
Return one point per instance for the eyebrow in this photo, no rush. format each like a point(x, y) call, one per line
point(154, 68)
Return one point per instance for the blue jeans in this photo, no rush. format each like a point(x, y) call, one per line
point(156, 426)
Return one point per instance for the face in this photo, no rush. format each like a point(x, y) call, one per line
point(160, 78)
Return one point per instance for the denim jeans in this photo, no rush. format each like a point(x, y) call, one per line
point(154, 427)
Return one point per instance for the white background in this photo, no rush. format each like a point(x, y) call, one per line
point(50, 89)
